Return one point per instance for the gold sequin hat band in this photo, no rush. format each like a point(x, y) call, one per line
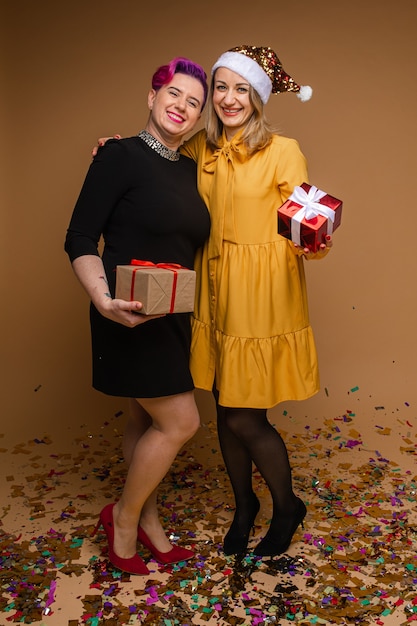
point(263, 70)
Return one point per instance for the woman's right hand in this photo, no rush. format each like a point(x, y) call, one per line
point(90, 272)
point(101, 141)
point(124, 312)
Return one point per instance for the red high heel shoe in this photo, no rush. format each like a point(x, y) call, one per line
point(175, 555)
point(134, 565)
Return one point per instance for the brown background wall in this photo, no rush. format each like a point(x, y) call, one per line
point(74, 71)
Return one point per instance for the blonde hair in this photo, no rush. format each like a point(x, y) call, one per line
point(257, 133)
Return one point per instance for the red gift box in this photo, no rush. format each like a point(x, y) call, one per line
point(160, 287)
point(308, 216)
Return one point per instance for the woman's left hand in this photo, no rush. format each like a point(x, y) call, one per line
point(322, 250)
point(100, 143)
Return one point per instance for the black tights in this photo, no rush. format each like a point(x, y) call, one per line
point(246, 436)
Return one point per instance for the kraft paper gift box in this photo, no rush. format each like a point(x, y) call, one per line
point(160, 287)
point(308, 216)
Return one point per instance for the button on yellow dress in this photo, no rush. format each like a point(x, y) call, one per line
point(251, 329)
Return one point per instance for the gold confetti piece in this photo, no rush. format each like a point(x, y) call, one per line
point(384, 431)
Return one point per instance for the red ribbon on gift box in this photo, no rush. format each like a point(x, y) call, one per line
point(173, 267)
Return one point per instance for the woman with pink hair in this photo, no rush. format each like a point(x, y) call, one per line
point(140, 195)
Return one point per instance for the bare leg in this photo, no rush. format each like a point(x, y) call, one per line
point(174, 420)
point(138, 423)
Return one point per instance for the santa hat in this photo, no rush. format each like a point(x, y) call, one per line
point(263, 70)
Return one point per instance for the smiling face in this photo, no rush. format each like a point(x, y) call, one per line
point(231, 100)
point(175, 109)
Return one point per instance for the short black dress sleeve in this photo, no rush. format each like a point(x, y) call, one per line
point(143, 206)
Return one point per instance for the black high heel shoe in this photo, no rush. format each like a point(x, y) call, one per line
point(236, 541)
point(272, 545)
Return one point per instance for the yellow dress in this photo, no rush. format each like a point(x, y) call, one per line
point(251, 329)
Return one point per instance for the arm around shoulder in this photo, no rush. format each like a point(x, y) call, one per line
point(193, 146)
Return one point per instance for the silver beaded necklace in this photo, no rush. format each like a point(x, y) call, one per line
point(163, 151)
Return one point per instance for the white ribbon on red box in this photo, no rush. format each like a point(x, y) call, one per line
point(310, 208)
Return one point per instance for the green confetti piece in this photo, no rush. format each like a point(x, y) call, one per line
point(76, 542)
point(355, 389)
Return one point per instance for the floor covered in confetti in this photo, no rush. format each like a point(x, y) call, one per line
point(355, 561)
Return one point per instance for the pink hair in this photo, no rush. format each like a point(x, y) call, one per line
point(180, 65)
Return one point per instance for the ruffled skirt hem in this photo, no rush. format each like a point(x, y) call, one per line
point(255, 372)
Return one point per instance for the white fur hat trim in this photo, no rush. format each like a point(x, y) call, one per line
point(248, 69)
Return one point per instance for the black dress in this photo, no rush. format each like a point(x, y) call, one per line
point(146, 207)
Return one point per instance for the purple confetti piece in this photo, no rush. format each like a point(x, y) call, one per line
point(351, 443)
point(51, 593)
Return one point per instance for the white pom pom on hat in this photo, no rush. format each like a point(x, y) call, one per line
point(305, 93)
point(263, 70)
